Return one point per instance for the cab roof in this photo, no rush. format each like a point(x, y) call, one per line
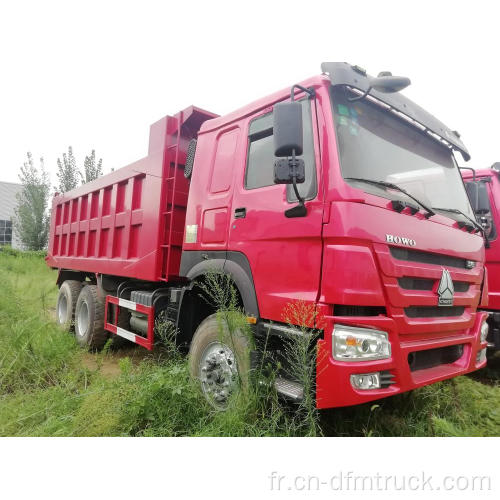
point(341, 73)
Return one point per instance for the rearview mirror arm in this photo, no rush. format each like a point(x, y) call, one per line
point(310, 91)
point(294, 180)
point(299, 210)
point(360, 97)
point(472, 170)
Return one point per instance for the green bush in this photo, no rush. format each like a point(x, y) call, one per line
point(8, 250)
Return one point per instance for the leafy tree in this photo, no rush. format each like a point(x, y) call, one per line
point(91, 169)
point(31, 218)
point(68, 173)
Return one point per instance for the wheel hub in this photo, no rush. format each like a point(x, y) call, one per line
point(218, 373)
point(82, 320)
point(62, 309)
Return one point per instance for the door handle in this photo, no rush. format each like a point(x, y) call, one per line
point(240, 213)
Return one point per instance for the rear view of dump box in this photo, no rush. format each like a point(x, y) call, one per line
point(130, 222)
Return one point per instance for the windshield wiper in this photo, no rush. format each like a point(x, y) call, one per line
point(390, 185)
point(473, 222)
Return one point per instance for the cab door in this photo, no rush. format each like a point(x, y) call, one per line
point(284, 254)
point(488, 215)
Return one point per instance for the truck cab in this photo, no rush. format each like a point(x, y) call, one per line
point(372, 230)
point(374, 260)
point(483, 189)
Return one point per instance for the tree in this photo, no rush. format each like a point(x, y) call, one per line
point(67, 172)
point(91, 169)
point(31, 218)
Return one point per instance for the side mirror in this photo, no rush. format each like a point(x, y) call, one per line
point(472, 191)
point(389, 84)
point(288, 144)
point(483, 203)
point(385, 83)
point(478, 197)
point(287, 129)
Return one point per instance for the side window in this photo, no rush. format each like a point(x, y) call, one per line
point(5, 232)
point(222, 171)
point(260, 158)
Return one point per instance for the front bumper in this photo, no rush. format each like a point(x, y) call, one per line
point(333, 385)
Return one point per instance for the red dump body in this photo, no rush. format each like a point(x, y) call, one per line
point(130, 222)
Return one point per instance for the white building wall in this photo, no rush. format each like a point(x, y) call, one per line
point(8, 203)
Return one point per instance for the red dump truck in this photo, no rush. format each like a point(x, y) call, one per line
point(340, 193)
point(483, 188)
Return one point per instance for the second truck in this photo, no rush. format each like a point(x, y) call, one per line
point(340, 193)
point(483, 188)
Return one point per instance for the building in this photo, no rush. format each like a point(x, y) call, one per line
point(8, 203)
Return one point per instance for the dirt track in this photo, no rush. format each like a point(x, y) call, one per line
point(108, 364)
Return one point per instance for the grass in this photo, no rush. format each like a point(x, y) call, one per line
point(51, 387)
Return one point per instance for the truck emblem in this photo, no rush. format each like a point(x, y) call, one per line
point(400, 240)
point(445, 290)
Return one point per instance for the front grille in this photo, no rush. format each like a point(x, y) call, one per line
point(415, 283)
point(433, 312)
point(343, 310)
point(420, 360)
point(427, 258)
point(461, 286)
point(408, 283)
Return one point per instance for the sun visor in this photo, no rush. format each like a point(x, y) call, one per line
point(341, 73)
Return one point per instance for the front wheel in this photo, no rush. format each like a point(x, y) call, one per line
point(220, 360)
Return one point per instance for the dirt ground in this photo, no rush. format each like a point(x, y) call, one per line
point(108, 364)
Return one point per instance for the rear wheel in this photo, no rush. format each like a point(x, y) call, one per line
point(89, 319)
point(66, 304)
point(219, 360)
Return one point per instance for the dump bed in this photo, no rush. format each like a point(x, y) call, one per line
point(131, 221)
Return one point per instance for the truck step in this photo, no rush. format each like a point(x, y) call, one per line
point(289, 389)
point(132, 305)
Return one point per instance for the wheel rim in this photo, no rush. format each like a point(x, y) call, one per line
point(82, 320)
point(218, 373)
point(62, 309)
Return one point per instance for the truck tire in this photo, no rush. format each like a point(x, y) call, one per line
point(66, 304)
point(89, 319)
point(219, 360)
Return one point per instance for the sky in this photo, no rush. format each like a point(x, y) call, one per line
point(95, 75)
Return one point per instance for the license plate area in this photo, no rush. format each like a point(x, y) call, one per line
point(429, 358)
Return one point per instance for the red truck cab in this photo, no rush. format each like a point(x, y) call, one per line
point(483, 188)
point(377, 249)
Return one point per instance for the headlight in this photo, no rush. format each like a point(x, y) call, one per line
point(481, 356)
point(359, 344)
point(484, 331)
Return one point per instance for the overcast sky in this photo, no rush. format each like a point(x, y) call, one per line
point(97, 74)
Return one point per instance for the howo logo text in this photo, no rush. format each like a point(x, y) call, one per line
point(400, 240)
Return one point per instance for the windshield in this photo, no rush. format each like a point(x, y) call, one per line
point(377, 145)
